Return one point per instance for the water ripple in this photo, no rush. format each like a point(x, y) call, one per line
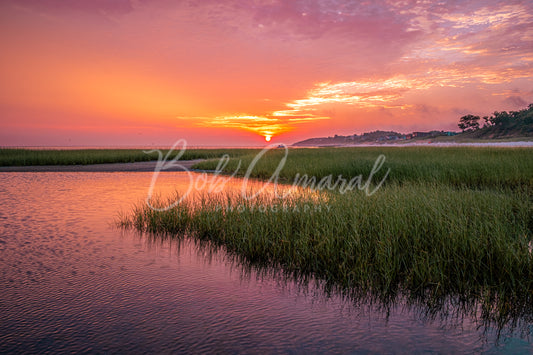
point(72, 283)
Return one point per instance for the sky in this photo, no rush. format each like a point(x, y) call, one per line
point(241, 73)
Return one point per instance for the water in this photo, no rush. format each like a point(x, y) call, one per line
point(71, 281)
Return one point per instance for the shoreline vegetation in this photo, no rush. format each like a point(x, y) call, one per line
point(12, 157)
point(29, 157)
point(513, 126)
point(431, 138)
point(448, 225)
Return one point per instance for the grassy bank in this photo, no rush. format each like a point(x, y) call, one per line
point(474, 167)
point(24, 157)
point(448, 223)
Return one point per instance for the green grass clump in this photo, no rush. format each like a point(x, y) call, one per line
point(23, 157)
point(411, 235)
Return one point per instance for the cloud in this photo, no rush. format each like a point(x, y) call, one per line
point(114, 7)
point(268, 126)
point(353, 20)
point(264, 126)
point(516, 101)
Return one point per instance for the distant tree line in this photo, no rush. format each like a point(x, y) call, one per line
point(500, 124)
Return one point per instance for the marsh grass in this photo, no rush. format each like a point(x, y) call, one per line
point(449, 225)
point(474, 167)
point(422, 241)
point(22, 157)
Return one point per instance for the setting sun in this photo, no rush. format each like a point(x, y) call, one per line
point(268, 138)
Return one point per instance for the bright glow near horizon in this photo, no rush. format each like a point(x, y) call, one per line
point(233, 73)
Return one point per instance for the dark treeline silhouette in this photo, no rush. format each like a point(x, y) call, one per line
point(499, 124)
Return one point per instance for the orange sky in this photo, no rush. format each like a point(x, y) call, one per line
point(138, 72)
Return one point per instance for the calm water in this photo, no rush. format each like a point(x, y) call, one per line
point(71, 281)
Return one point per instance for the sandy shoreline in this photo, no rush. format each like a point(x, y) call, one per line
point(143, 166)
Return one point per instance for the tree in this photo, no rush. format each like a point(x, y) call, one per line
point(501, 124)
point(469, 123)
point(500, 118)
